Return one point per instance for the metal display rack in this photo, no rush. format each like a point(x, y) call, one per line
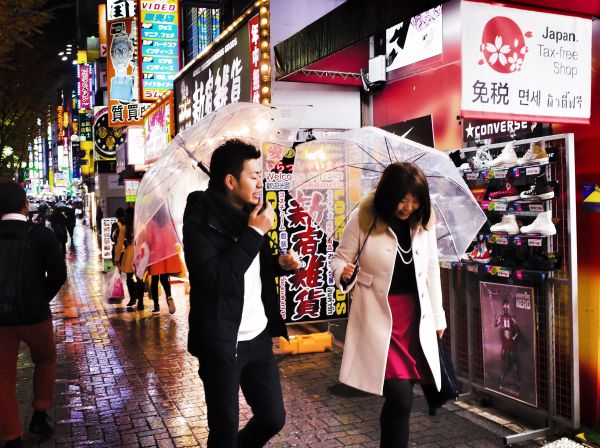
point(556, 303)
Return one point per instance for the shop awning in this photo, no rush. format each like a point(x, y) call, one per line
point(335, 47)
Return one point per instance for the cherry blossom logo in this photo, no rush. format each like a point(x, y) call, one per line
point(503, 45)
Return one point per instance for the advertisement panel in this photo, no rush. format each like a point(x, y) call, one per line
point(310, 293)
point(158, 128)
point(414, 40)
point(526, 64)
point(105, 238)
point(106, 139)
point(135, 145)
point(131, 188)
point(159, 37)
point(508, 327)
point(221, 77)
point(84, 86)
point(122, 74)
point(474, 130)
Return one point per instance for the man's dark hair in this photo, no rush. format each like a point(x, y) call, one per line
point(229, 159)
point(397, 180)
point(12, 197)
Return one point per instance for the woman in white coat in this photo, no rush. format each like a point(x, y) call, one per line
point(388, 258)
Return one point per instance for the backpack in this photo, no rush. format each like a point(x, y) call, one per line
point(19, 280)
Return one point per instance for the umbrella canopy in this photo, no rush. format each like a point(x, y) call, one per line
point(183, 166)
point(358, 157)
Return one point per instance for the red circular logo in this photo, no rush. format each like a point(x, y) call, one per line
point(503, 45)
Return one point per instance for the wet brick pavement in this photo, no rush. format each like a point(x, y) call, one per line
point(125, 379)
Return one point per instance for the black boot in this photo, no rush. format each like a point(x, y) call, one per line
point(39, 424)
point(140, 290)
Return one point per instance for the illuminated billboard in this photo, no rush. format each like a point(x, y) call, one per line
point(159, 38)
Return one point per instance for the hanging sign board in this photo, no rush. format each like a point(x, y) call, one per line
point(158, 128)
point(131, 188)
point(221, 77)
point(124, 107)
point(525, 65)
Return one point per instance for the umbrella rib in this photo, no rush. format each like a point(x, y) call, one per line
point(446, 224)
point(388, 147)
point(367, 153)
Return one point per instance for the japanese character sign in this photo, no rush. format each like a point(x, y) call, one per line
point(224, 76)
point(308, 294)
point(120, 9)
point(525, 65)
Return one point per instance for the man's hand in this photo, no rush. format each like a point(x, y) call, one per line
point(264, 220)
point(290, 261)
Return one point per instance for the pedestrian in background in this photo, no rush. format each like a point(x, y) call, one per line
point(45, 274)
point(71, 221)
point(162, 243)
point(388, 258)
point(135, 286)
point(117, 235)
point(58, 220)
point(234, 309)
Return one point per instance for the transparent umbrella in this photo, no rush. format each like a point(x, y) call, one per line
point(182, 168)
point(359, 156)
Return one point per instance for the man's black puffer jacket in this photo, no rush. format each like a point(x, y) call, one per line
point(219, 248)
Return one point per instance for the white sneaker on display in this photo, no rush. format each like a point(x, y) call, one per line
point(507, 158)
point(542, 225)
point(481, 159)
point(507, 225)
point(535, 155)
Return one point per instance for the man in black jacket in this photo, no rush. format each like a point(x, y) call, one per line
point(44, 278)
point(234, 309)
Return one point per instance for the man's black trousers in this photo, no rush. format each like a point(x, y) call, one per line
point(255, 371)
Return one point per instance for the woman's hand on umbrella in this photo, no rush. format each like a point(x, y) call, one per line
point(348, 271)
point(290, 261)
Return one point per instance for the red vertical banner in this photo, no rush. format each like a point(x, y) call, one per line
point(254, 31)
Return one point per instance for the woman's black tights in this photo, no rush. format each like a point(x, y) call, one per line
point(395, 414)
point(164, 281)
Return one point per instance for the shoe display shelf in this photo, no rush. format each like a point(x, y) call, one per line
point(519, 172)
point(542, 170)
point(519, 208)
point(493, 269)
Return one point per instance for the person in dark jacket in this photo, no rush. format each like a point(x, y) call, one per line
point(234, 309)
point(59, 223)
point(36, 328)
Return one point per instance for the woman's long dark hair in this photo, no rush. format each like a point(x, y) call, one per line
point(397, 180)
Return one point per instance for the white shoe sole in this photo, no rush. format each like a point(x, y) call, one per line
point(542, 161)
point(506, 199)
point(542, 196)
point(503, 165)
point(549, 232)
point(509, 232)
point(481, 260)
